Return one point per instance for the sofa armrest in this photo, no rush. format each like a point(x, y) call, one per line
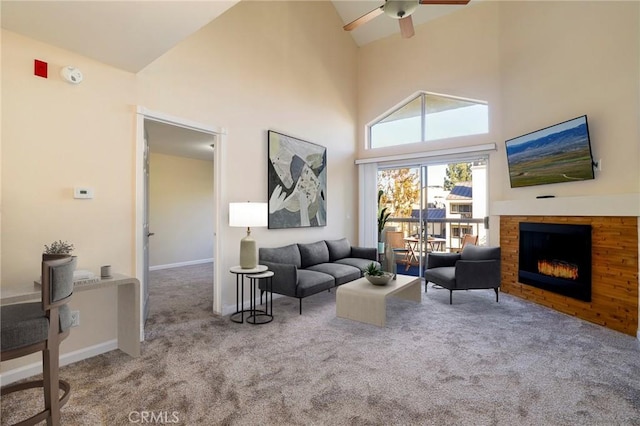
point(370, 253)
point(478, 274)
point(285, 277)
point(439, 260)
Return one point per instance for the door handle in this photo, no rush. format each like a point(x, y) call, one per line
point(151, 234)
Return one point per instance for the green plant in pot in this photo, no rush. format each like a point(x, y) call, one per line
point(383, 218)
point(57, 250)
point(377, 276)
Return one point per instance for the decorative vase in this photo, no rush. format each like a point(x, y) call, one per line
point(379, 279)
point(380, 247)
point(48, 256)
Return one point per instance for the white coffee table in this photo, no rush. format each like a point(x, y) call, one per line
point(362, 301)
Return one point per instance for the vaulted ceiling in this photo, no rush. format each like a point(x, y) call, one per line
point(129, 35)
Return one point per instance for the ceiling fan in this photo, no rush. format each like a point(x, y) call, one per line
point(401, 10)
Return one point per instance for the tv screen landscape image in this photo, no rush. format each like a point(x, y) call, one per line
point(559, 153)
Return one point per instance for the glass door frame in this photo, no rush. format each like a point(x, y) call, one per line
point(423, 223)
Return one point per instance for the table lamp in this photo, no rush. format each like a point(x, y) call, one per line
point(247, 215)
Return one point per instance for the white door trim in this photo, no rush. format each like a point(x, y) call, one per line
point(143, 113)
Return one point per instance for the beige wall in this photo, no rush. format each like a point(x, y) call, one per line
point(55, 136)
point(550, 74)
point(284, 66)
point(180, 209)
point(455, 55)
point(536, 63)
point(276, 65)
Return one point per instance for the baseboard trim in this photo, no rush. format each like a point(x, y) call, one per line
point(179, 264)
point(25, 371)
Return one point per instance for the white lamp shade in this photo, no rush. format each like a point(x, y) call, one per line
point(248, 215)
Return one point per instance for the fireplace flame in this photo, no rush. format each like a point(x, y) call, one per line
point(558, 268)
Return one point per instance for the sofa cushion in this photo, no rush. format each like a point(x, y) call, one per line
point(356, 262)
point(472, 252)
point(313, 253)
point(338, 249)
point(342, 273)
point(288, 254)
point(312, 282)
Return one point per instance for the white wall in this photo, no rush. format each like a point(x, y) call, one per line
point(180, 210)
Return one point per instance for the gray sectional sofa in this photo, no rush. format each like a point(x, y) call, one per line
point(301, 270)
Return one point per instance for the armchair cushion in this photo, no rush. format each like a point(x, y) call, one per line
point(473, 252)
point(439, 260)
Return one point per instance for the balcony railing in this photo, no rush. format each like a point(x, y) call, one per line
point(451, 229)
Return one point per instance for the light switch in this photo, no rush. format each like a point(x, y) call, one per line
point(82, 192)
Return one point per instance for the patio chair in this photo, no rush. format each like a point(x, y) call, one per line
point(398, 247)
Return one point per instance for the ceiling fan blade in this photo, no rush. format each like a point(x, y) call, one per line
point(406, 27)
point(462, 2)
point(363, 19)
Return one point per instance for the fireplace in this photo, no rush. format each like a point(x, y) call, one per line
point(556, 258)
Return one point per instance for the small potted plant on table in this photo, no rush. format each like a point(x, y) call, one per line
point(57, 250)
point(377, 276)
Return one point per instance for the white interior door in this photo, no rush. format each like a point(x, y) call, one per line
point(145, 234)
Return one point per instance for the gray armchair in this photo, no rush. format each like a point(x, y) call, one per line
point(476, 267)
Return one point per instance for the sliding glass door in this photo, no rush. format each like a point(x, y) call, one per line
point(432, 207)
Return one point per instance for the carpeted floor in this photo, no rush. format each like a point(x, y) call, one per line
point(475, 362)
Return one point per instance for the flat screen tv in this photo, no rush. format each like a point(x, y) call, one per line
point(558, 153)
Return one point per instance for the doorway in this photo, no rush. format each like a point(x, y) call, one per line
point(207, 141)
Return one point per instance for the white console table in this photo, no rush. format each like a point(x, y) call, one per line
point(128, 305)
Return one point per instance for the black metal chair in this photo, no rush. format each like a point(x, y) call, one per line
point(40, 327)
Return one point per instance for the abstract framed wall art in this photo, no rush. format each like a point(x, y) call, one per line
point(297, 182)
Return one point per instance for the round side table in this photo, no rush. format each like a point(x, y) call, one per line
point(257, 317)
point(240, 273)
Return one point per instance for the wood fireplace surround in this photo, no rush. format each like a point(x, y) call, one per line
point(614, 280)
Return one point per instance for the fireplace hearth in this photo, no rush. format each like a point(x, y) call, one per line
point(556, 258)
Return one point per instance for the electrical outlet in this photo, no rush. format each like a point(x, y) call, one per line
point(75, 318)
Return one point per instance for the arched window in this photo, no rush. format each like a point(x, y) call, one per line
point(428, 117)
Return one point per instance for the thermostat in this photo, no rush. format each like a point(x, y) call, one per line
point(83, 192)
